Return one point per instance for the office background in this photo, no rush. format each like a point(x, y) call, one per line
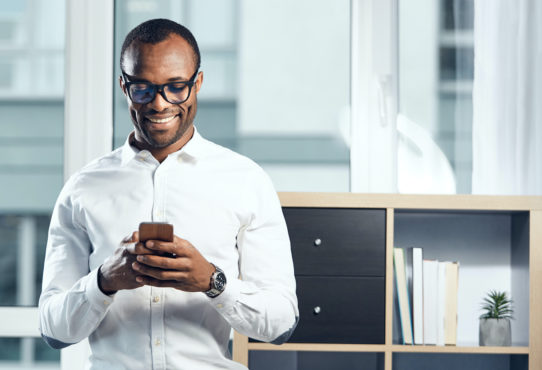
point(363, 96)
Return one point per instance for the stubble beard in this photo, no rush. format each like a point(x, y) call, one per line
point(163, 141)
point(158, 141)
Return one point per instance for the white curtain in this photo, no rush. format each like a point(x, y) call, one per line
point(507, 97)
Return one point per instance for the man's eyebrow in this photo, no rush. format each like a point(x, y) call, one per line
point(172, 79)
point(134, 78)
point(181, 79)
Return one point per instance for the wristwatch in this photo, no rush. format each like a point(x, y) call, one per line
point(218, 283)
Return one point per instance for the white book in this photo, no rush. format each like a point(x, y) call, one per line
point(441, 302)
point(414, 272)
point(450, 316)
point(430, 295)
point(402, 294)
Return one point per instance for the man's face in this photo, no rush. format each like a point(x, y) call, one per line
point(160, 124)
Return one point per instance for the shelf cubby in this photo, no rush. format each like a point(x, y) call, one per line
point(492, 248)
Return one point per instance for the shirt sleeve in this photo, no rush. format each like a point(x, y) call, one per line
point(71, 305)
point(262, 304)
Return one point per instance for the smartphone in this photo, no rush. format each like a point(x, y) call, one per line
point(155, 231)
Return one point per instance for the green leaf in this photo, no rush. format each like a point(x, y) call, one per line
point(496, 305)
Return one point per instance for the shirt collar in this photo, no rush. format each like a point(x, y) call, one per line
point(128, 151)
point(194, 148)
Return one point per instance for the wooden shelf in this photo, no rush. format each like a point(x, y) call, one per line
point(407, 201)
point(319, 347)
point(460, 349)
point(323, 347)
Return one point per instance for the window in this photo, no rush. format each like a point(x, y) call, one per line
point(31, 162)
point(276, 85)
point(436, 69)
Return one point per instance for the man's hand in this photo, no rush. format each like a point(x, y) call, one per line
point(117, 273)
point(181, 266)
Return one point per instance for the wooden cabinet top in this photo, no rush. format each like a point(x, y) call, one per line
point(408, 201)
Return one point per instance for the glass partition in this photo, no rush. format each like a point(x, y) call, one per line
point(436, 68)
point(31, 159)
point(276, 85)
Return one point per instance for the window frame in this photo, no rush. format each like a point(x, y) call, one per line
point(88, 129)
point(374, 96)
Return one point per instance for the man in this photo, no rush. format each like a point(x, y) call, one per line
point(166, 305)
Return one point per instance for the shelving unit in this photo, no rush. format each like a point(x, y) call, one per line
point(498, 238)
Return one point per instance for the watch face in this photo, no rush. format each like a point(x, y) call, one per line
point(220, 281)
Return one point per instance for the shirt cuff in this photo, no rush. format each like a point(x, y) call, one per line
point(227, 299)
point(94, 295)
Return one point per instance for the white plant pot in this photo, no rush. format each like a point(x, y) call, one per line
point(495, 332)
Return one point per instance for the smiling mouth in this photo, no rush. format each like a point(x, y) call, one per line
point(160, 120)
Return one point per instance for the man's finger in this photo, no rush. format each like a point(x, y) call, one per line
point(134, 238)
point(158, 273)
point(178, 247)
point(138, 248)
point(165, 263)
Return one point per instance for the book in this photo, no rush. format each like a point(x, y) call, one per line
point(450, 316)
point(414, 274)
point(430, 301)
point(402, 295)
point(441, 302)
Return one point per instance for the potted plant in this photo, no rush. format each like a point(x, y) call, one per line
point(495, 327)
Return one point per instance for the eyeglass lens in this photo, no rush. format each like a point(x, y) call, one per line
point(175, 93)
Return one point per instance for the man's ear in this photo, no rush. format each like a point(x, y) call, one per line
point(199, 81)
point(122, 85)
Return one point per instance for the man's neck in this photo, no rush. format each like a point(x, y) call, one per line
point(161, 153)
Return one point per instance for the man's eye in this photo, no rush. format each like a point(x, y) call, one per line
point(140, 87)
point(176, 88)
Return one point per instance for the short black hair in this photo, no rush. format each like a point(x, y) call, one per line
point(154, 31)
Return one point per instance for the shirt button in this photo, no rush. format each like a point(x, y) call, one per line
point(156, 299)
point(106, 303)
point(157, 342)
point(220, 305)
point(179, 159)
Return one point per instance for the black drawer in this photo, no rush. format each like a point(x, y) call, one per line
point(340, 310)
point(337, 242)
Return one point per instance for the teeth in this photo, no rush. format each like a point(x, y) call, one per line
point(163, 120)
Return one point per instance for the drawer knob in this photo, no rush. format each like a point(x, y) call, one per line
point(317, 242)
point(316, 310)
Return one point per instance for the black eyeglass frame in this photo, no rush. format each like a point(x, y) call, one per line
point(159, 88)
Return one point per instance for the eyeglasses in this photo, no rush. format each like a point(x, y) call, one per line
point(173, 92)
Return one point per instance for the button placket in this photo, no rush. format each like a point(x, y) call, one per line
point(158, 213)
point(157, 327)
point(142, 156)
point(157, 294)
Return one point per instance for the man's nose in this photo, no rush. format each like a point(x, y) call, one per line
point(159, 103)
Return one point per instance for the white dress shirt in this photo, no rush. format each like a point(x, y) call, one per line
point(221, 202)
